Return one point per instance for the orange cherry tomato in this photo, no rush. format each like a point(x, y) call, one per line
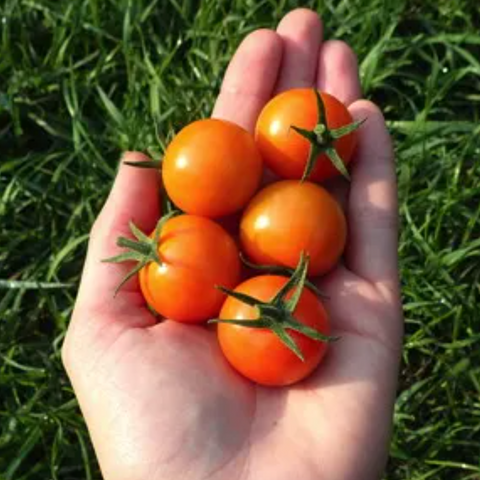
point(284, 150)
point(258, 353)
point(212, 168)
point(289, 217)
point(196, 255)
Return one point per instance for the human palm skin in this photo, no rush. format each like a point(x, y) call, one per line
point(160, 401)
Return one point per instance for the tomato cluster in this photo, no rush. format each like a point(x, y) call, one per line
point(272, 326)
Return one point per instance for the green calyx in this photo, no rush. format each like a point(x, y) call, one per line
point(142, 250)
point(283, 271)
point(322, 140)
point(277, 314)
point(155, 160)
point(145, 164)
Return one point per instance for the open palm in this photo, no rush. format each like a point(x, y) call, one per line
point(160, 401)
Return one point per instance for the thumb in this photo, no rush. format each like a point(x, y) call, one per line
point(134, 197)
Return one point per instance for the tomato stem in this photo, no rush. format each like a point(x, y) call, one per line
point(283, 271)
point(277, 314)
point(253, 302)
point(322, 140)
point(143, 250)
point(157, 164)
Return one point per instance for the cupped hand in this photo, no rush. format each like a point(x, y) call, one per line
point(159, 399)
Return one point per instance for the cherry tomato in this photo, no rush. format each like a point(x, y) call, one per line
point(196, 255)
point(289, 217)
point(284, 150)
point(258, 353)
point(212, 168)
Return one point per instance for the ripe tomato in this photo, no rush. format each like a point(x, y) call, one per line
point(284, 150)
point(289, 217)
point(196, 255)
point(258, 353)
point(212, 168)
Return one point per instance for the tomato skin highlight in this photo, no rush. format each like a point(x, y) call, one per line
point(258, 354)
point(285, 151)
point(212, 168)
point(289, 217)
point(196, 254)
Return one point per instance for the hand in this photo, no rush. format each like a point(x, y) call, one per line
point(160, 401)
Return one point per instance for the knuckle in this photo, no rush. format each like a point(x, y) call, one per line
point(376, 217)
point(341, 53)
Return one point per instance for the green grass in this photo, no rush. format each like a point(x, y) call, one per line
point(80, 81)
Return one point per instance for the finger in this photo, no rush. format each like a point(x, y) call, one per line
point(374, 316)
point(249, 79)
point(134, 197)
point(372, 205)
point(301, 33)
point(337, 72)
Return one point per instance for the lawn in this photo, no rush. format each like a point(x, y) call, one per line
point(80, 81)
